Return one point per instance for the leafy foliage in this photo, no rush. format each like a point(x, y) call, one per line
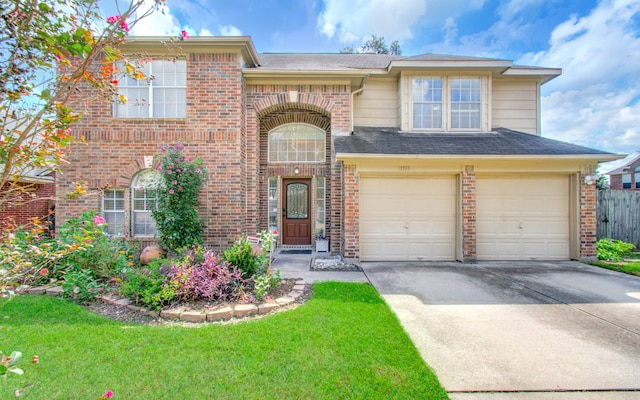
point(242, 255)
point(210, 279)
point(151, 286)
point(176, 216)
point(53, 50)
point(376, 45)
point(81, 285)
point(32, 256)
point(613, 250)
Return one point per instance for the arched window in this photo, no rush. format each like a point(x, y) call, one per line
point(637, 177)
point(143, 202)
point(297, 143)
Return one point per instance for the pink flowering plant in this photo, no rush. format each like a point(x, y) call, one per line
point(179, 225)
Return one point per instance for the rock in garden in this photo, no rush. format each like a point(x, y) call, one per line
point(150, 253)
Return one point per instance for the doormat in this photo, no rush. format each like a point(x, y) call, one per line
point(295, 251)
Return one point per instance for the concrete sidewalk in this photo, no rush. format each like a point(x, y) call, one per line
point(298, 266)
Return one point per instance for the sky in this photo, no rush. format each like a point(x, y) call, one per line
point(596, 43)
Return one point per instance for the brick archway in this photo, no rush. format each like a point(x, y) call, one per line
point(293, 100)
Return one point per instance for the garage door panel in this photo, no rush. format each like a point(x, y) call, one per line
point(522, 218)
point(407, 219)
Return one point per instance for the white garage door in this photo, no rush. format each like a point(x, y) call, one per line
point(407, 219)
point(522, 218)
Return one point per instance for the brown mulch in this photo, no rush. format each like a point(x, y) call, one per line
point(124, 314)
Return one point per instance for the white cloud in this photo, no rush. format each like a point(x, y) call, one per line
point(229, 30)
point(354, 20)
point(159, 23)
point(595, 101)
point(511, 8)
point(357, 20)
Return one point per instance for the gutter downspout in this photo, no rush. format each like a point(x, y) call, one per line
point(353, 95)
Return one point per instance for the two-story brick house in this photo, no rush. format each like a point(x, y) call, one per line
point(393, 158)
point(626, 177)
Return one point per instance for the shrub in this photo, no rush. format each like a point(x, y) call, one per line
point(28, 255)
point(613, 250)
point(177, 213)
point(151, 286)
point(211, 279)
point(241, 255)
point(81, 285)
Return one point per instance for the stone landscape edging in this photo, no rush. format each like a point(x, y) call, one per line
point(222, 313)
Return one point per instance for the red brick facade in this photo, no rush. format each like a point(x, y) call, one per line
point(36, 204)
point(229, 117)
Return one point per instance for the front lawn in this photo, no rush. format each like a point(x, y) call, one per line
point(344, 343)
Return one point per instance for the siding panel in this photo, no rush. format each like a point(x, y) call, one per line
point(515, 105)
point(377, 105)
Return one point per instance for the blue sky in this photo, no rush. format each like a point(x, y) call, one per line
point(595, 103)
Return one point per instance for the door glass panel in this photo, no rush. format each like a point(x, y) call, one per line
point(297, 201)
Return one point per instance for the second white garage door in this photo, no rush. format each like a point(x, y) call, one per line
point(407, 219)
point(524, 218)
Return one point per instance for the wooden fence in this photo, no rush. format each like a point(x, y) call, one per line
point(618, 214)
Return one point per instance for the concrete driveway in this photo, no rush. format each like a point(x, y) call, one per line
point(498, 330)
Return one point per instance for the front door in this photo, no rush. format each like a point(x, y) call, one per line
point(296, 221)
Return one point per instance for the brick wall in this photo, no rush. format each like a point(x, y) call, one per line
point(213, 130)
point(469, 250)
point(588, 222)
point(34, 204)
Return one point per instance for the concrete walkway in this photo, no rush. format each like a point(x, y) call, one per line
point(298, 266)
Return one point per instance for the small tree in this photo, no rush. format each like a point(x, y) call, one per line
point(177, 213)
point(49, 51)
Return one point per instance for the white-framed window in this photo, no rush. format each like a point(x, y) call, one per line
point(113, 211)
point(297, 143)
point(637, 177)
point(162, 95)
point(626, 181)
point(320, 205)
point(446, 103)
point(272, 203)
point(143, 202)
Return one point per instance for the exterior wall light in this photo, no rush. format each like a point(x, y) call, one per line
point(590, 179)
point(296, 170)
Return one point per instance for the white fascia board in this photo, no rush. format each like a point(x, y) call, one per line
point(586, 157)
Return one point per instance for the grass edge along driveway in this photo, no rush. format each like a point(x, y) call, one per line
point(344, 343)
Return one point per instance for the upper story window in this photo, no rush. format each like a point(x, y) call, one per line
point(297, 143)
point(637, 177)
point(164, 95)
point(446, 103)
point(626, 181)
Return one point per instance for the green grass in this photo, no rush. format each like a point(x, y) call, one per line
point(630, 265)
point(344, 343)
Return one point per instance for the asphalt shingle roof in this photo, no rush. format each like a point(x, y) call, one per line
point(322, 62)
point(499, 142)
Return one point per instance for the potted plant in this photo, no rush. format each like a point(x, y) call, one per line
point(322, 243)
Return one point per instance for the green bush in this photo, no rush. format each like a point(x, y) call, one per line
point(613, 250)
point(81, 285)
point(241, 255)
point(176, 216)
point(151, 285)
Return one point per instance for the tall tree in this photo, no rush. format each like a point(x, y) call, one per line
point(375, 45)
point(49, 50)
